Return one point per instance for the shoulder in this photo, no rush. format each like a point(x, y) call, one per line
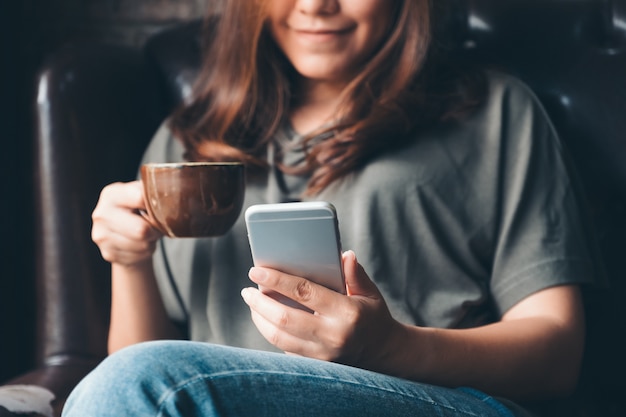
point(511, 113)
point(510, 94)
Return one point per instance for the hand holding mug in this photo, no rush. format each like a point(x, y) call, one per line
point(122, 236)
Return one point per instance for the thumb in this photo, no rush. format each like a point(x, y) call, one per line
point(357, 281)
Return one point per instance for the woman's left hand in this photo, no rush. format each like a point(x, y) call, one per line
point(355, 329)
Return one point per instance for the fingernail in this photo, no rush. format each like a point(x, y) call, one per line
point(245, 294)
point(257, 274)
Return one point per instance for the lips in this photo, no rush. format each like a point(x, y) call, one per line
point(318, 31)
point(319, 36)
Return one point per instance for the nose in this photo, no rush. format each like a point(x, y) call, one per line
point(317, 6)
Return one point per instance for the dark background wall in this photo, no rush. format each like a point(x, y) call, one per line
point(29, 31)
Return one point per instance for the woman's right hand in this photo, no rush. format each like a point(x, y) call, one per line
point(123, 236)
point(127, 240)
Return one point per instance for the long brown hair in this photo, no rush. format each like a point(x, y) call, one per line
point(244, 92)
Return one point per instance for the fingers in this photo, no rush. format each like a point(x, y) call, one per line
point(121, 234)
point(316, 297)
point(357, 281)
point(321, 335)
point(116, 248)
point(301, 290)
point(290, 329)
point(276, 322)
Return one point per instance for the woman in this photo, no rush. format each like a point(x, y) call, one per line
point(449, 185)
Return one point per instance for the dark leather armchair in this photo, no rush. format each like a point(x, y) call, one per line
point(97, 107)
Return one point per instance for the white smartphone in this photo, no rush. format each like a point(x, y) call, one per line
point(300, 239)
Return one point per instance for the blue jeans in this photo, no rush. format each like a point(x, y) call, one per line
point(173, 378)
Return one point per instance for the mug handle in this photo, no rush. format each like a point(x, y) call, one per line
point(147, 217)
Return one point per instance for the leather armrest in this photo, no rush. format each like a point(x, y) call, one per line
point(59, 377)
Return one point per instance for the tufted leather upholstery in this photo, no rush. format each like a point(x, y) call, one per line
point(97, 107)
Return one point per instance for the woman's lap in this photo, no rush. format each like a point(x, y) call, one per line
point(196, 379)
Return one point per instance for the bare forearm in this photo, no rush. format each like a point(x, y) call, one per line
point(526, 356)
point(137, 311)
point(522, 360)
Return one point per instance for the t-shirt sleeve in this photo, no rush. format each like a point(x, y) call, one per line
point(542, 240)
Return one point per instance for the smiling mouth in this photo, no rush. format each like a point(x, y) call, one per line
point(322, 35)
point(323, 31)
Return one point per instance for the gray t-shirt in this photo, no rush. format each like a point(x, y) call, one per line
point(455, 228)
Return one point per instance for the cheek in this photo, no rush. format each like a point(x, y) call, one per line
point(369, 39)
point(376, 22)
point(275, 20)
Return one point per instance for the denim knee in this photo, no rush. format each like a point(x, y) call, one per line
point(128, 376)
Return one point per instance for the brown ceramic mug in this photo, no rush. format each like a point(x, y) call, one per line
point(193, 199)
